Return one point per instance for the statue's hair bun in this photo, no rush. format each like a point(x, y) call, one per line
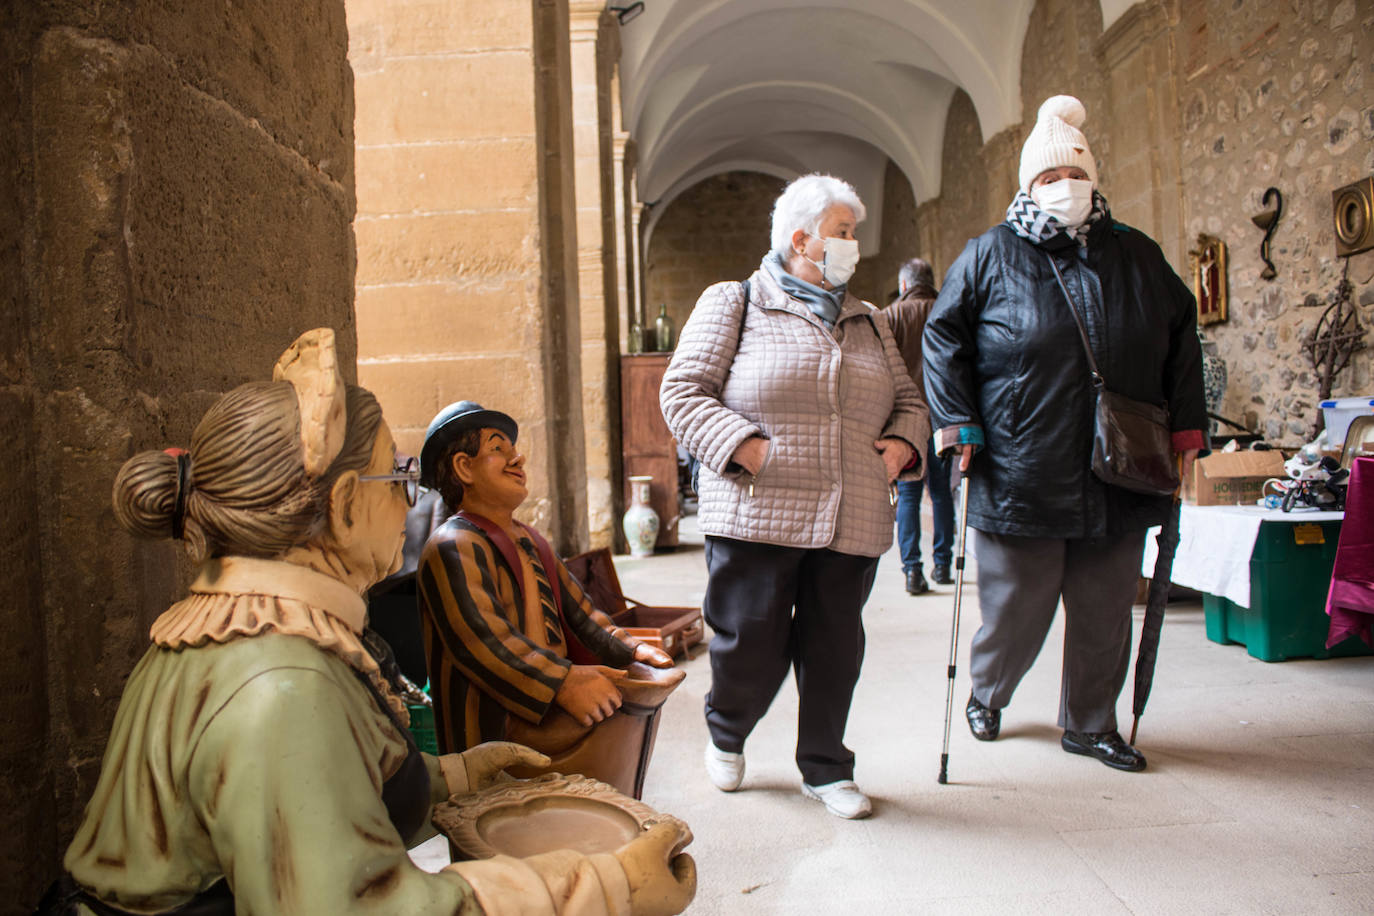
point(145, 494)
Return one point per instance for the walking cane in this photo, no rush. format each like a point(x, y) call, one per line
point(954, 629)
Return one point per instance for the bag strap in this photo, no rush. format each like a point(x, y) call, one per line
point(744, 310)
point(739, 337)
point(1098, 381)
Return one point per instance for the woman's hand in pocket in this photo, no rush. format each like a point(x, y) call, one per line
point(896, 455)
point(751, 454)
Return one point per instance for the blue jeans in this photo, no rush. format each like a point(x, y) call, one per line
point(909, 514)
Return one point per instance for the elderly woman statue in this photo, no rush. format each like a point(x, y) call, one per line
point(795, 398)
point(259, 762)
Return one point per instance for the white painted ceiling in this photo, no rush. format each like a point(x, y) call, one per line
point(787, 87)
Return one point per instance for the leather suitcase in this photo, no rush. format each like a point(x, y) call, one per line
point(674, 629)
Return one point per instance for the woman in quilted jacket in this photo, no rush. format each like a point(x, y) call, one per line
point(794, 397)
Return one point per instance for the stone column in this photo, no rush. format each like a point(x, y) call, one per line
point(594, 51)
point(467, 253)
point(627, 210)
point(637, 259)
point(1137, 59)
point(619, 212)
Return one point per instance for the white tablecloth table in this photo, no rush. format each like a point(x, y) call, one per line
point(1215, 543)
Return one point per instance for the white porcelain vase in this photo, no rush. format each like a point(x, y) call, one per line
point(641, 521)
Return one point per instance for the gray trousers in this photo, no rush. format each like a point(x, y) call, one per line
point(1020, 583)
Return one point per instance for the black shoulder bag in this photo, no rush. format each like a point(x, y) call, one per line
point(693, 463)
point(1132, 447)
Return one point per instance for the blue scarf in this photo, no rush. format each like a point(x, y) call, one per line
point(823, 303)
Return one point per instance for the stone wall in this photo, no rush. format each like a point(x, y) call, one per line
point(1193, 110)
point(876, 278)
point(467, 282)
point(1282, 96)
point(714, 231)
point(177, 209)
point(961, 211)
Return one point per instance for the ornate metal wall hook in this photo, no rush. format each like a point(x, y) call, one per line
point(1268, 220)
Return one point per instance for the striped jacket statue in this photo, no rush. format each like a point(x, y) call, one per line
point(496, 644)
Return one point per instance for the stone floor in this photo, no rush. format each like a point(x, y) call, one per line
point(1259, 797)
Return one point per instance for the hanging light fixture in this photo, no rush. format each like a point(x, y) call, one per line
point(627, 13)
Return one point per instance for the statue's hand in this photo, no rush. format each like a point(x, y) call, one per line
point(589, 693)
point(486, 763)
point(653, 655)
point(659, 886)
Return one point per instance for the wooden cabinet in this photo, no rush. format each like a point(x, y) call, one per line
point(646, 445)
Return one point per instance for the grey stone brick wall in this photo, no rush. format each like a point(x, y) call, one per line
point(176, 207)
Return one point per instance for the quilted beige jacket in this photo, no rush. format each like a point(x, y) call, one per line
point(821, 398)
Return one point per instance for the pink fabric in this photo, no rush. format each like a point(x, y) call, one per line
point(1350, 602)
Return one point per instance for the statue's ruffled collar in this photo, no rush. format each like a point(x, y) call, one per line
point(238, 597)
point(274, 578)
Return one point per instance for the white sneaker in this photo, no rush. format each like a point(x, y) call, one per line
point(842, 799)
point(726, 770)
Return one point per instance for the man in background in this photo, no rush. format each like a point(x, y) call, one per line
point(907, 316)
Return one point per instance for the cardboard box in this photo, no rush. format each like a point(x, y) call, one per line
point(1232, 478)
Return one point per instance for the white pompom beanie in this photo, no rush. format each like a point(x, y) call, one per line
point(1057, 141)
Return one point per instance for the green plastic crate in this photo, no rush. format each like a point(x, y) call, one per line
point(422, 726)
point(1288, 585)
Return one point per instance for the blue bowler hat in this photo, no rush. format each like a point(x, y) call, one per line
point(449, 424)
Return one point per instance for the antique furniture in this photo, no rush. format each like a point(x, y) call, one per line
point(648, 449)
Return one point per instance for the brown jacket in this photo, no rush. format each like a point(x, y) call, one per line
point(907, 316)
point(820, 397)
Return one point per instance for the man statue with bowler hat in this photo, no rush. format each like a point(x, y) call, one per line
point(508, 630)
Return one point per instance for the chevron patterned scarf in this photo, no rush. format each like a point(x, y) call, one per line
point(1027, 220)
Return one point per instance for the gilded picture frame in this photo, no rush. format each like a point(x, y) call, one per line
point(1209, 278)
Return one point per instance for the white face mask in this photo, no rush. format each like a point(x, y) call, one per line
point(838, 263)
point(1068, 200)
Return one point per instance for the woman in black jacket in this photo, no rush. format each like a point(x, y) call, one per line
point(1008, 382)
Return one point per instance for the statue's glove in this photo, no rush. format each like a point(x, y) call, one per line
point(484, 765)
point(659, 885)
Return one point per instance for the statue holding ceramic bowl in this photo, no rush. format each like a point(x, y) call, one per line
point(259, 762)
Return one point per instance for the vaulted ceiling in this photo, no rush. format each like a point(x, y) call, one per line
point(787, 87)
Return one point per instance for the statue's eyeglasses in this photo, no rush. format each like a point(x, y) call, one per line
point(408, 474)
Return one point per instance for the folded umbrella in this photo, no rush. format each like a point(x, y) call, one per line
point(1167, 539)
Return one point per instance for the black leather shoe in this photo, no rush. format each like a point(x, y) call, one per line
point(940, 576)
point(1109, 747)
point(985, 723)
point(916, 583)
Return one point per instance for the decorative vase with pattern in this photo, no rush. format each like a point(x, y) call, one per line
point(1213, 381)
point(640, 521)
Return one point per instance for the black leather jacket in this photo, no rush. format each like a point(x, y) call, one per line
point(1002, 353)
